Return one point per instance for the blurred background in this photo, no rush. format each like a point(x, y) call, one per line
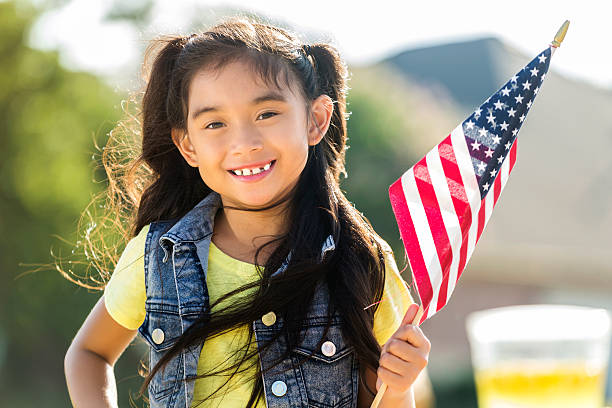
point(417, 71)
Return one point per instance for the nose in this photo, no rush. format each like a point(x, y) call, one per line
point(246, 139)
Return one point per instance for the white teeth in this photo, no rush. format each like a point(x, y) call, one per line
point(248, 172)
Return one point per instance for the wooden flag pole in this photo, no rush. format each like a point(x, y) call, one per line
point(383, 387)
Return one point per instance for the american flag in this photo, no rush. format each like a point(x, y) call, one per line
point(443, 203)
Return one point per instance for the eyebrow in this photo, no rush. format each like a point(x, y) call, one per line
point(272, 96)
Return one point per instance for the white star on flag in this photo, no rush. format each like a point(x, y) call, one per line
point(491, 118)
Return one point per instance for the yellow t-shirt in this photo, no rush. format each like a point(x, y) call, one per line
point(125, 296)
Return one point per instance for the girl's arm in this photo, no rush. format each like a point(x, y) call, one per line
point(90, 359)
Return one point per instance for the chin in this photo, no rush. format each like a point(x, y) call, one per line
point(252, 200)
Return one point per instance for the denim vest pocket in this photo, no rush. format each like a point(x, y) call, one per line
point(328, 376)
point(161, 330)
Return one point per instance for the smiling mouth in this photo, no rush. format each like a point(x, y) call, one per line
point(253, 174)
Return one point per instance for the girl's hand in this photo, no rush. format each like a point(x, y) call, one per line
point(403, 356)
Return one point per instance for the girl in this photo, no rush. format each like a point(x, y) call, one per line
point(249, 274)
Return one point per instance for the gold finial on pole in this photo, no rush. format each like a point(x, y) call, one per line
point(560, 35)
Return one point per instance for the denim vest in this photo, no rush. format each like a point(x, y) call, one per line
point(176, 259)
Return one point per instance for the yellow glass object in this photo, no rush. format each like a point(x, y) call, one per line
point(540, 356)
point(537, 384)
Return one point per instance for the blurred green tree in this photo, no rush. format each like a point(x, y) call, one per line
point(391, 121)
point(50, 119)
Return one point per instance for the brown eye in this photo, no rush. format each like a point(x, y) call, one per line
point(267, 113)
point(210, 125)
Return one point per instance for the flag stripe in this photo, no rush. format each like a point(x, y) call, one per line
point(461, 207)
point(410, 240)
point(513, 154)
point(468, 178)
point(423, 182)
point(497, 187)
point(451, 225)
point(426, 242)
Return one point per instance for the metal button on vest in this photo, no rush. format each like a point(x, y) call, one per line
point(269, 318)
point(158, 336)
point(328, 348)
point(279, 388)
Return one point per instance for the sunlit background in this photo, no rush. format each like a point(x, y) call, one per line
point(418, 68)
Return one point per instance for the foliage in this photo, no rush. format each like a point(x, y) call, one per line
point(51, 117)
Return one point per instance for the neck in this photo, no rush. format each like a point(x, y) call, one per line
point(239, 233)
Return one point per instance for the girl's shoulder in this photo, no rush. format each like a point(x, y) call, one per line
point(125, 292)
point(134, 249)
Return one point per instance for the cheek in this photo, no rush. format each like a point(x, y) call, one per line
point(297, 158)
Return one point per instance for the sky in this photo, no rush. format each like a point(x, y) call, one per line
point(363, 32)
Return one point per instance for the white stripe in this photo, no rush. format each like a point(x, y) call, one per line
point(421, 226)
point(468, 177)
point(447, 210)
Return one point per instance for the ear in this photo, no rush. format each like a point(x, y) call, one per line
point(182, 142)
point(322, 109)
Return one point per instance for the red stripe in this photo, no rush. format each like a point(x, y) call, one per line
point(497, 187)
point(411, 242)
point(436, 224)
point(443, 287)
point(481, 218)
point(459, 197)
point(513, 155)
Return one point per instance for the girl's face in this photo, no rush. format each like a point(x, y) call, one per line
point(237, 122)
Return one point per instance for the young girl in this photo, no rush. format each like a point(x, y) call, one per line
point(249, 274)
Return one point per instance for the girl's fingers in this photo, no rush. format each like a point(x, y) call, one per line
point(394, 363)
point(414, 335)
point(403, 351)
point(410, 314)
point(395, 381)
